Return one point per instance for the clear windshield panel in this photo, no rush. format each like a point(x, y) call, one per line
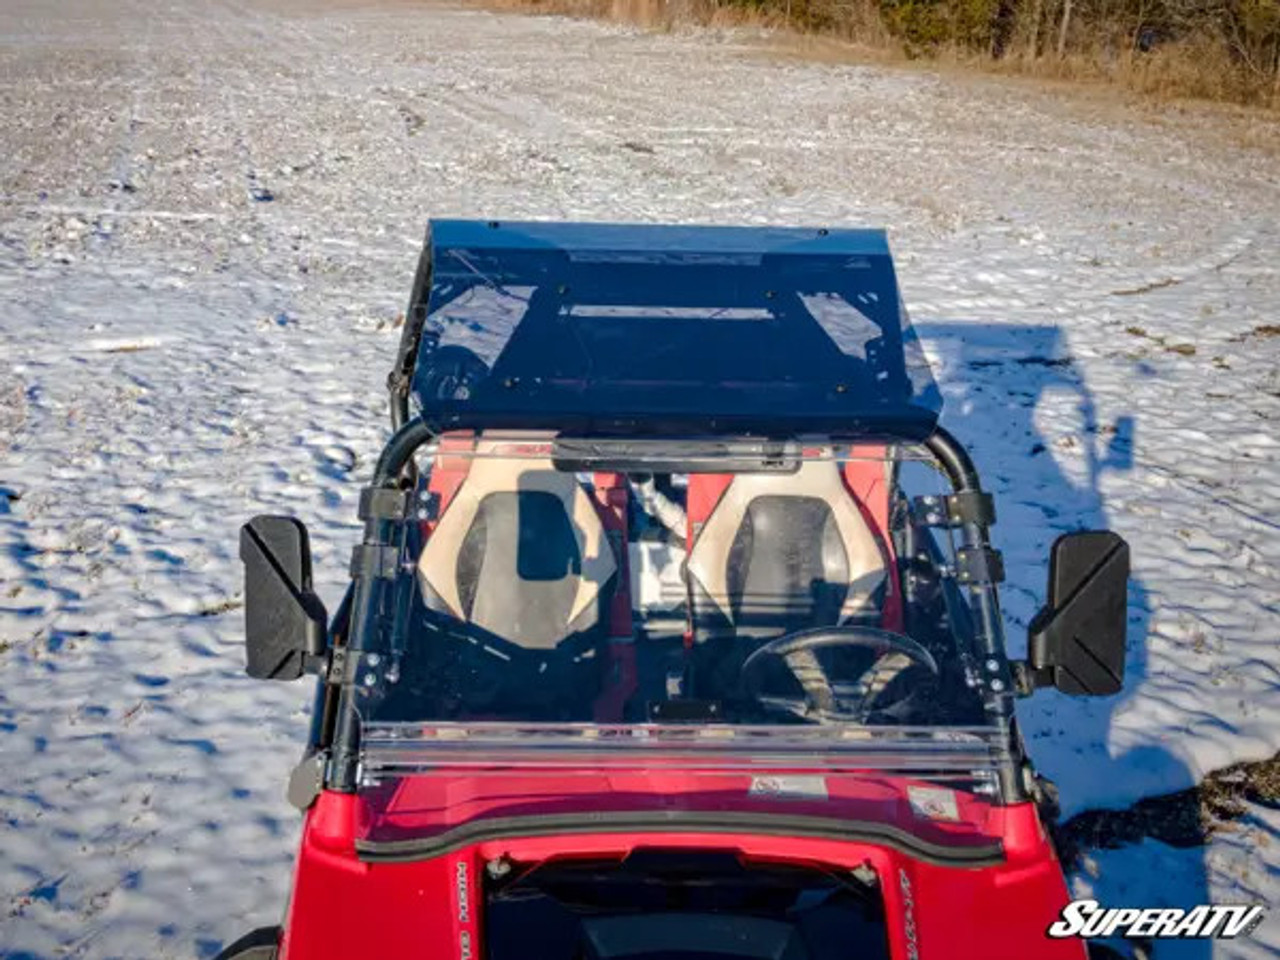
point(714, 583)
point(696, 615)
point(426, 787)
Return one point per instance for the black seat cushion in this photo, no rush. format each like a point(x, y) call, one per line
point(519, 566)
point(787, 567)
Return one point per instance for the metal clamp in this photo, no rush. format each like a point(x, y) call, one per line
point(350, 668)
point(375, 560)
point(956, 509)
point(307, 780)
point(978, 565)
point(383, 503)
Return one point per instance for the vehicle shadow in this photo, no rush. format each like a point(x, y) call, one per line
point(1014, 395)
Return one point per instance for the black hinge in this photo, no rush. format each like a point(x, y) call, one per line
point(956, 509)
point(979, 565)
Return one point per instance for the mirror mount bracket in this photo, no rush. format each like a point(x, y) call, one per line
point(1028, 679)
point(365, 670)
point(372, 560)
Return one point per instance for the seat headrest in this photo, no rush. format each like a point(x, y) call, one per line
point(490, 474)
point(709, 558)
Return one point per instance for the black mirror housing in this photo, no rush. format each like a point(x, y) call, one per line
point(283, 618)
point(1076, 643)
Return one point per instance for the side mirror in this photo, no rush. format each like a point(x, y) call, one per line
point(284, 620)
point(1077, 641)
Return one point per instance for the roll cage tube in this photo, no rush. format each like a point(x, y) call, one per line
point(994, 674)
point(375, 565)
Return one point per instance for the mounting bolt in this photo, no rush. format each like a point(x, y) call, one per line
point(373, 659)
point(370, 680)
point(993, 665)
point(997, 685)
point(498, 867)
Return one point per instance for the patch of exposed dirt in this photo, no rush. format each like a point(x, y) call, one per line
point(1187, 818)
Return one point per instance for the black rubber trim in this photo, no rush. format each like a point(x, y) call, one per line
point(822, 828)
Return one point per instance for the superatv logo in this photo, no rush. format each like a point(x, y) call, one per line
point(1085, 918)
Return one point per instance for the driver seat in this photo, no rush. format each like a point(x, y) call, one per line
point(520, 552)
point(779, 553)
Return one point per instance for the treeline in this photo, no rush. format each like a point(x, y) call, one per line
point(1218, 49)
point(1237, 35)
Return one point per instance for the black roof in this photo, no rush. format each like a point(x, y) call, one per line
point(644, 329)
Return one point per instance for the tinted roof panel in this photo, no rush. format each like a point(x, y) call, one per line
point(661, 329)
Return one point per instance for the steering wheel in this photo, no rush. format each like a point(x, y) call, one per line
point(822, 702)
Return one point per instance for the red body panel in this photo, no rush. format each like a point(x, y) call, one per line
point(344, 909)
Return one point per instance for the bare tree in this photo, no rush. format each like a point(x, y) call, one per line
point(1033, 44)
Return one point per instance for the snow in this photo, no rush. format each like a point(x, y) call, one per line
point(1154, 875)
point(209, 220)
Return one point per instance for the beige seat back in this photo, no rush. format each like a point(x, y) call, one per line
point(781, 552)
point(520, 552)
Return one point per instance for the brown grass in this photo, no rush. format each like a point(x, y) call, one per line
point(857, 32)
point(1188, 818)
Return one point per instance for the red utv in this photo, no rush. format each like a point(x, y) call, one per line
point(674, 633)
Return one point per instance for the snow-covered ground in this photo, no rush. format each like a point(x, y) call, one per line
point(209, 217)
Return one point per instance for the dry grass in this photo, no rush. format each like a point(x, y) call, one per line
point(659, 15)
point(1188, 818)
point(1175, 71)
